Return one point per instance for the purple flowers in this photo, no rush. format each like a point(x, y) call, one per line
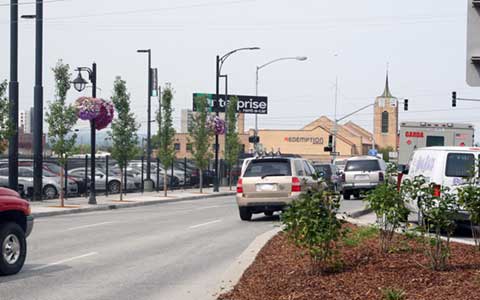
point(95, 109)
point(216, 125)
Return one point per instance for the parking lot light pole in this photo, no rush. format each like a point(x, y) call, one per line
point(149, 110)
point(79, 84)
point(219, 65)
point(299, 58)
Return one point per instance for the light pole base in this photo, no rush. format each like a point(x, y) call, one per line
point(92, 200)
point(148, 185)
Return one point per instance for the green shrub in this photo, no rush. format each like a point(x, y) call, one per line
point(437, 214)
point(311, 223)
point(393, 294)
point(388, 204)
point(469, 199)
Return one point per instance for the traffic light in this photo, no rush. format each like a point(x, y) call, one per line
point(329, 148)
point(405, 105)
point(454, 99)
point(473, 43)
point(254, 139)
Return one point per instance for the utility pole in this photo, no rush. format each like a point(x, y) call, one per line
point(13, 97)
point(217, 108)
point(38, 105)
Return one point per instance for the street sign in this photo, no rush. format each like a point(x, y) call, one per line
point(154, 83)
point(372, 152)
point(245, 105)
point(473, 43)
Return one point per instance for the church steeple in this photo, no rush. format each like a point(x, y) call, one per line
point(386, 92)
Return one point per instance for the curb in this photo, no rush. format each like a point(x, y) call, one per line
point(103, 207)
point(359, 213)
point(233, 274)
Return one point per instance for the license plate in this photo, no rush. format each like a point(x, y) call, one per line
point(362, 177)
point(266, 187)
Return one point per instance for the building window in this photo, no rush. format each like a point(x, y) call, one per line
point(384, 122)
point(177, 146)
point(189, 147)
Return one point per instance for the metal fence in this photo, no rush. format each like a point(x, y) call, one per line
point(182, 174)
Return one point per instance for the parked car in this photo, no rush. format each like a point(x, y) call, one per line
point(329, 173)
point(15, 226)
point(50, 182)
point(270, 184)
point(445, 167)
point(113, 184)
point(361, 174)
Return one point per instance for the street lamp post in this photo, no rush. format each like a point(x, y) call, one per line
point(299, 58)
point(219, 64)
point(79, 84)
point(13, 97)
point(149, 111)
point(38, 102)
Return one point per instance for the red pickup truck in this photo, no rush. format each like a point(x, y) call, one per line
point(16, 223)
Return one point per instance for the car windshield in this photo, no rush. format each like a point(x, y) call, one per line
point(460, 165)
point(325, 169)
point(362, 165)
point(271, 167)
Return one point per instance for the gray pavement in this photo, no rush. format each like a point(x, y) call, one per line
point(173, 250)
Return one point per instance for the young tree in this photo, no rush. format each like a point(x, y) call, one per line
point(201, 137)
point(6, 129)
point(166, 134)
point(61, 119)
point(124, 129)
point(232, 141)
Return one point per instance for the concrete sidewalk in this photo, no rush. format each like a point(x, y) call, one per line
point(48, 208)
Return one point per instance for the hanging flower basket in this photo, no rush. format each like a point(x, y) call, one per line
point(95, 109)
point(216, 125)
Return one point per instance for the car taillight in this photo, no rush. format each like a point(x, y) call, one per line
point(296, 185)
point(239, 186)
point(343, 177)
point(437, 191)
point(381, 177)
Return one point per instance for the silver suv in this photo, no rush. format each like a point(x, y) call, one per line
point(361, 174)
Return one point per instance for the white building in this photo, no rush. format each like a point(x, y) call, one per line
point(25, 120)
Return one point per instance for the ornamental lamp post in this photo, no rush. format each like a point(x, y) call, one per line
point(80, 84)
point(219, 65)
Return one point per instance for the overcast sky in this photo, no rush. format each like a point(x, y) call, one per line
point(423, 43)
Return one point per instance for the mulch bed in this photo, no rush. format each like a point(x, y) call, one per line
point(280, 273)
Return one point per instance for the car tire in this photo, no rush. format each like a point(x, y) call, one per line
point(245, 214)
point(50, 192)
point(114, 187)
point(13, 248)
point(268, 213)
point(346, 195)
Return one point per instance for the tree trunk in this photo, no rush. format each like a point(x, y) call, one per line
point(201, 180)
point(121, 184)
point(230, 177)
point(165, 186)
point(62, 186)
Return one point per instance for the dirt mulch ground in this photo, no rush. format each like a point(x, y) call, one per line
point(279, 273)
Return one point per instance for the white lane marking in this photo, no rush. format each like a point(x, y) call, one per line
point(207, 207)
point(64, 261)
point(204, 224)
point(89, 225)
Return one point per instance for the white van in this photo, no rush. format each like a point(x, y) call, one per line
point(443, 166)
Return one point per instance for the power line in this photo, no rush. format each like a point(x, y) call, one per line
point(32, 2)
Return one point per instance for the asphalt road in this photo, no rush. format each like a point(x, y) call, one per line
point(167, 251)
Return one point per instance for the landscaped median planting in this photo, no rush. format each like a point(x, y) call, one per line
point(281, 272)
point(319, 256)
